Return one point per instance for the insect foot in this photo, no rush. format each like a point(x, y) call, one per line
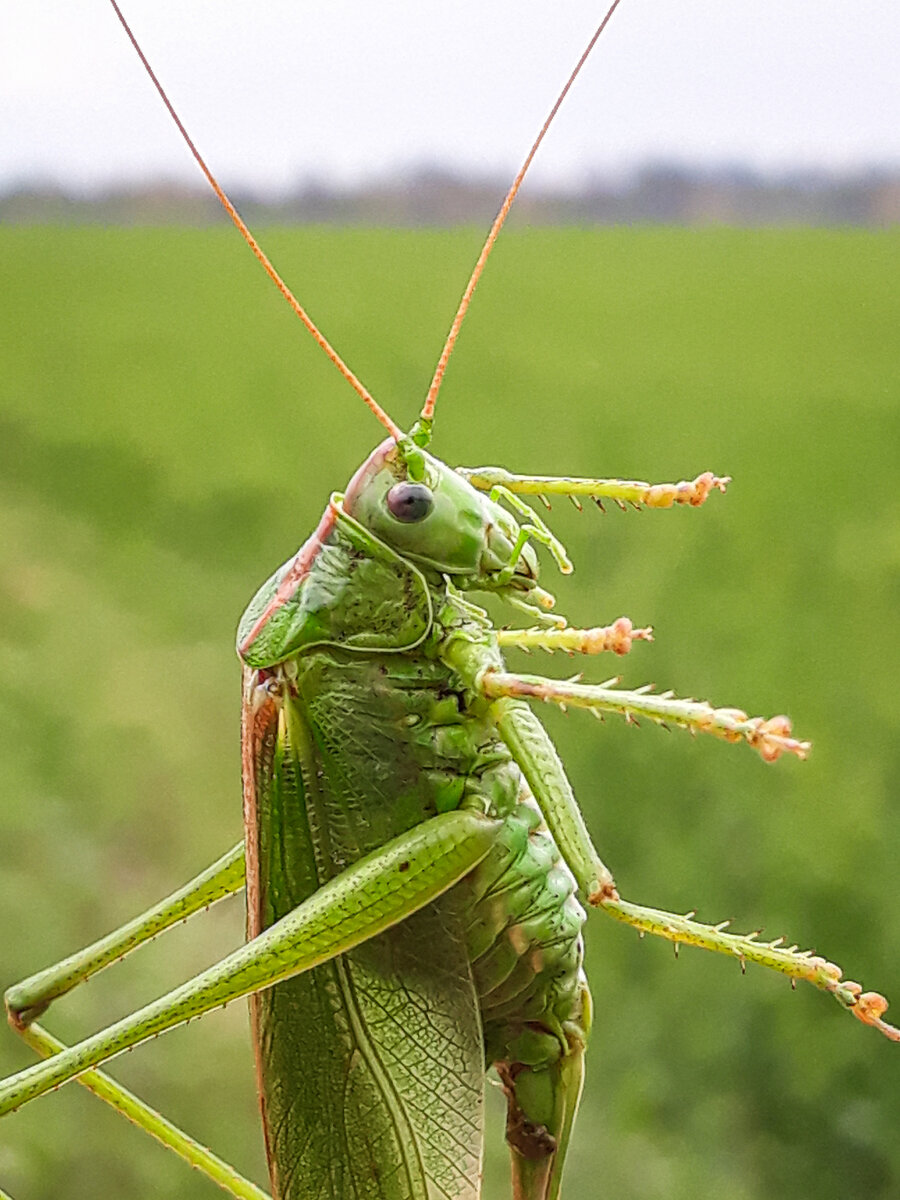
point(772, 738)
point(869, 1008)
point(693, 492)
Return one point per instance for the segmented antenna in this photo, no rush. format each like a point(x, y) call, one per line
point(427, 414)
point(357, 385)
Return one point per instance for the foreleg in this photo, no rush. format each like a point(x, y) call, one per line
point(636, 492)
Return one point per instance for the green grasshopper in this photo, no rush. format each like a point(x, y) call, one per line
point(415, 861)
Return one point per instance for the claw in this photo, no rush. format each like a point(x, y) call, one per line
point(869, 1008)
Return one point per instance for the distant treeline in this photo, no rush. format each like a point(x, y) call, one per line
point(433, 196)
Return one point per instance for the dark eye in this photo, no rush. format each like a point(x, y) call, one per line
point(410, 501)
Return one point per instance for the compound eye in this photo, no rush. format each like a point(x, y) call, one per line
point(410, 502)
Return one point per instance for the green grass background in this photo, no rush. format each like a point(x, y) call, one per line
point(169, 434)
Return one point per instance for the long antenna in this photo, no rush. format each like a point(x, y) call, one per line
point(357, 385)
point(427, 414)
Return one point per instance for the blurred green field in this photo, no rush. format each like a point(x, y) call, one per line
point(168, 435)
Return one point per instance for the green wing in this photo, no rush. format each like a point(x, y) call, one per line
point(371, 1069)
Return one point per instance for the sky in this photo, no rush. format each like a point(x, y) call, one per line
point(284, 91)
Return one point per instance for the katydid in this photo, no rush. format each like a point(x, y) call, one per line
point(415, 861)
